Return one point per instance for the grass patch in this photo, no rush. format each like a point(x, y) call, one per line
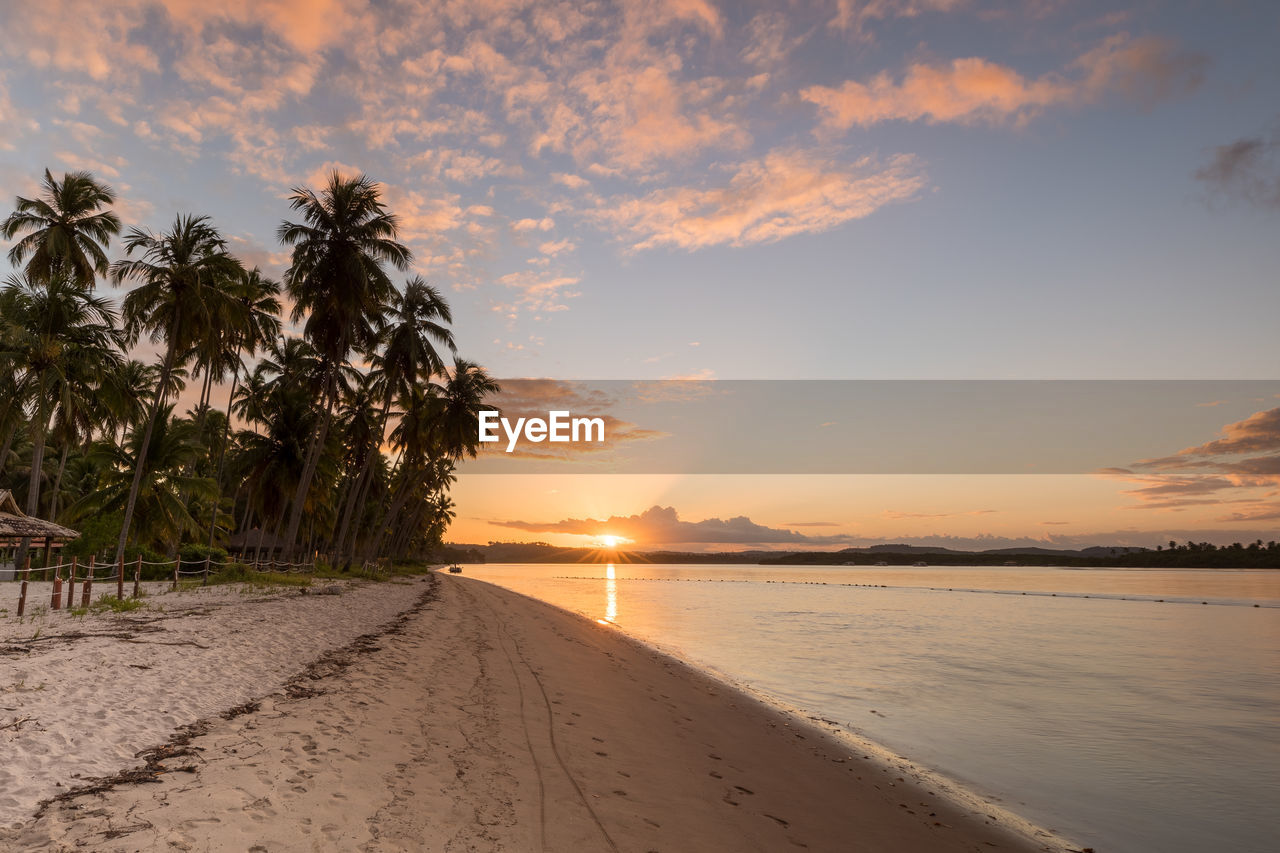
point(240, 573)
point(108, 604)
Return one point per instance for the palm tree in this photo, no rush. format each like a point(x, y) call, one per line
point(124, 395)
point(182, 297)
point(258, 299)
point(66, 229)
point(12, 403)
point(173, 445)
point(408, 355)
point(338, 283)
point(438, 425)
point(279, 397)
point(60, 339)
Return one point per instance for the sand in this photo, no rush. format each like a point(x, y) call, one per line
point(79, 697)
point(486, 721)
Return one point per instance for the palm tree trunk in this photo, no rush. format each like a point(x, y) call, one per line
point(384, 513)
point(40, 428)
point(313, 461)
point(8, 443)
point(362, 485)
point(57, 483)
point(360, 499)
point(222, 453)
point(141, 464)
point(389, 517)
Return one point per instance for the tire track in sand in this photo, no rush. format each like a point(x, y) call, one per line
point(507, 642)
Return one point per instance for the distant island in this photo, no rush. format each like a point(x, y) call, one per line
point(1199, 555)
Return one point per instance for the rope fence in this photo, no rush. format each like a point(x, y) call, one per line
point(86, 575)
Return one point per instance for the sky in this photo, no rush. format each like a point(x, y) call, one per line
point(889, 189)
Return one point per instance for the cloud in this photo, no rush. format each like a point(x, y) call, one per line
point(1258, 433)
point(555, 247)
point(784, 193)
point(1261, 512)
point(13, 124)
point(854, 15)
point(638, 111)
point(975, 90)
point(546, 223)
point(1228, 469)
point(573, 182)
point(1247, 169)
point(540, 291)
point(769, 41)
point(663, 526)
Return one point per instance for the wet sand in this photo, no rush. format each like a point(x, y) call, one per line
point(486, 721)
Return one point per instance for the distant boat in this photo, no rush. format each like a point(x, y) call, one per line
point(455, 570)
point(920, 564)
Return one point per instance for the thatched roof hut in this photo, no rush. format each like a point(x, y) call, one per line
point(16, 524)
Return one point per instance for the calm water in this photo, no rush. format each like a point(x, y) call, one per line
point(1120, 721)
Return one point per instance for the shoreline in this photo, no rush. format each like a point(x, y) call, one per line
point(493, 721)
point(962, 795)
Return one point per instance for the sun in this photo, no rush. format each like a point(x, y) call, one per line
point(610, 541)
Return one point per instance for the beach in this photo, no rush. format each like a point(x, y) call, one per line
point(466, 718)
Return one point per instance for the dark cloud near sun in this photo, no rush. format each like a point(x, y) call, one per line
point(663, 525)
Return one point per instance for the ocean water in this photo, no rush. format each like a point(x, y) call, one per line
point(1127, 710)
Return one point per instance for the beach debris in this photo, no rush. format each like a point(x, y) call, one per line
point(178, 746)
point(15, 724)
point(118, 831)
point(240, 710)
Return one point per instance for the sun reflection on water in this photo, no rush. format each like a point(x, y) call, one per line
point(610, 594)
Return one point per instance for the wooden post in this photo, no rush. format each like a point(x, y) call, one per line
point(206, 571)
point(120, 578)
point(137, 577)
point(22, 596)
point(176, 564)
point(71, 591)
point(88, 582)
point(55, 597)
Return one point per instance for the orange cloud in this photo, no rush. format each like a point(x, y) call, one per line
point(854, 14)
point(1244, 459)
point(1258, 433)
point(974, 90)
point(540, 292)
point(784, 193)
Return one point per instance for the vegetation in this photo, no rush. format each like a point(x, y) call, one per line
point(1202, 555)
point(340, 443)
point(1192, 555)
